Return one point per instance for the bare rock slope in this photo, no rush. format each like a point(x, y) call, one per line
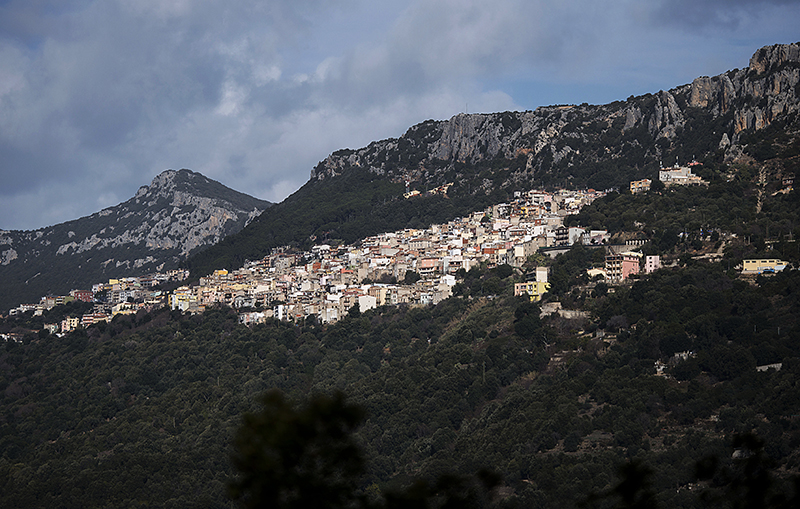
point(179, 213)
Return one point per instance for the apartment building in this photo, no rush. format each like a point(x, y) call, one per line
point(620, 267)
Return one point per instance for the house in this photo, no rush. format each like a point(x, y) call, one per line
point(183, 299)
point(681, 176)
point(577, 235)
point(593, 273)
point(762, 265)
point(254, 317)
point(652, 263)
point(596, 237)
point(534, 289)
point(82, 295)
point(562, 236)
point(640, 186)
point(429, 265)
point(621, 266)
point(93, 318)
point(70, 323)
point(419, 244)
point(49, 301)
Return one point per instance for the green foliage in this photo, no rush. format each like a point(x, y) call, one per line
point(143, 410)
point(308, 457)
point(569, 269)
point(526, 319)
point(303, 458)
point(411, 277)
point(684, 216)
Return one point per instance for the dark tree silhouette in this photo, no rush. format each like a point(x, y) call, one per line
point(299, 458)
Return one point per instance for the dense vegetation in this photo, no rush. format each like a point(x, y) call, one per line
point(143, 410)
point(694, 214)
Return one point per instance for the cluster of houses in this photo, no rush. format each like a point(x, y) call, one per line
point(412, 266)
point(677, 175)
point(328, 281)
point(117, 296)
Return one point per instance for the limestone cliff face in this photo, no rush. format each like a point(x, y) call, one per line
point(559, 144)
point(765, 90)
point(178, 213)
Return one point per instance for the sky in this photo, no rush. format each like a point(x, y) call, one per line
point(97, 97)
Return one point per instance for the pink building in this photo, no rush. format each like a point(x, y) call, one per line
point(620, 267)
point(84, 295)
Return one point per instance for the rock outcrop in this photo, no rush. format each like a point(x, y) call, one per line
point(560, 142)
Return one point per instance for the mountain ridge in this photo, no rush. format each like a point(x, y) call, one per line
point(550, 136)
point(180, 212)
point(718, 120)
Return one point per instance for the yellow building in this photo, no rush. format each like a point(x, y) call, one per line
point(535, 289)
point(761, 265)
point(640, 186)
point(70, 323)
point(183, 299)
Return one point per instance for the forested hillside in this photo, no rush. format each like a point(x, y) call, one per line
point(667, 373)
point(689, 216)
point(143, 410)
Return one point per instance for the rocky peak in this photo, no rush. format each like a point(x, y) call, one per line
point(163, 184)
point(177, 214)
point(772, 57)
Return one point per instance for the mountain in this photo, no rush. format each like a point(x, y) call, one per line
point(743, 116)
point(683, 383)
point(179, 213)
point(585, 145)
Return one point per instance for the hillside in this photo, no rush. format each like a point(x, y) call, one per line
point(744, 115)
point(690, 373)
point(143, 410)
point(179, 213)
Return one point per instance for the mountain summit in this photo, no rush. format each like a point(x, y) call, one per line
point(589, 145)
point(179, 213)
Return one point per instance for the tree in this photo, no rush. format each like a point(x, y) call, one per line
point(656, 186)
point(300, 458)
point(526, 319)
point(411, 277)
point(601, 289)
point(307, 457)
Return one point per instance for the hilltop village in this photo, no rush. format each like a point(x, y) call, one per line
point(412, 266)
point(416, 267)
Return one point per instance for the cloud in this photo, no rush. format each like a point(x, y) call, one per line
point(99, 96)
point(714, 13)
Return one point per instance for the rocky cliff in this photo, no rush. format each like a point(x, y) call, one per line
point(176, 215)
point(597, 146)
